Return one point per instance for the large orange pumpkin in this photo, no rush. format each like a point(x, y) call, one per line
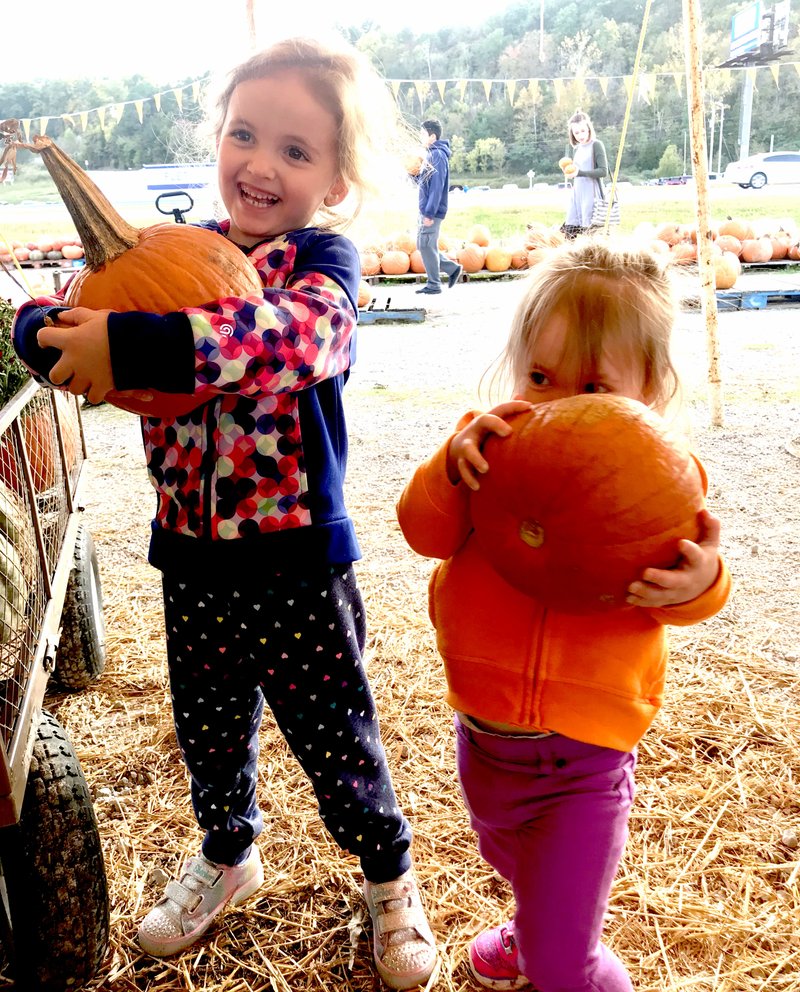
point(471, 257)
point(395, 262)
point(756, 250)
point(583, 495)
point(157, 269)
point(497, 259)
point(727, 269)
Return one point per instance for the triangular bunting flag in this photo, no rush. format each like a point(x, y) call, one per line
point(196, 91)
point(511, 87)
point(423, 88)
point(101, 113)
point(157, 101)
point(628, 81)
point(462, 88)
point(603, 81)
point(678, 80)
point(751, 75)
point(395, 84)
point(84, 115)
point(440, 84)
point(139, 104)
point(487, 88)
point(26, 127)
point(647, 85)
point(67, 119)
point(178, 94)
point(558, 86)
point(775, 69)
point(533, 89)
point(43, 122)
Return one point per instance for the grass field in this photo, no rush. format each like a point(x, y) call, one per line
point(504, 212)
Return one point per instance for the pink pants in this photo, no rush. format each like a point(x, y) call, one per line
point(551, 815)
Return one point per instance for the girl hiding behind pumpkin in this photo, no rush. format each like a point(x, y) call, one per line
point(550, 705)
point(251, 532)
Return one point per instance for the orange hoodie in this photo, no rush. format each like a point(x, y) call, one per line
point(508, 659)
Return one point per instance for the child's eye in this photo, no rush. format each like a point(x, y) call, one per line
point(596, 387)
point(296, 153)
point(539, 378)
point(241, 134)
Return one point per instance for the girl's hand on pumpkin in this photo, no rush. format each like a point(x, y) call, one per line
point(696, 571)
point(84, 368)
point(465, 461)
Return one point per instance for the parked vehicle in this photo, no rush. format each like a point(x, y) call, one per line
point(757, 171)
point(54, 912)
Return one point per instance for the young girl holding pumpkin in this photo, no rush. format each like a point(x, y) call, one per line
point(550, 706)
point(251, 531)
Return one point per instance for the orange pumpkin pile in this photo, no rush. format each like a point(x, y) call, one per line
point(479, 251)
point(734, 241)
point(572, 529)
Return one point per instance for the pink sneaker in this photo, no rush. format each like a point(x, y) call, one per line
point(493, 959)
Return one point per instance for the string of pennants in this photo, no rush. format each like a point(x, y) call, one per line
point(109, 115)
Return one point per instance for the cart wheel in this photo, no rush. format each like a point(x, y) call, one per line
point(81, 654)
point(54, 890)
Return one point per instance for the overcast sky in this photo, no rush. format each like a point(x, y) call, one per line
point(167, 40)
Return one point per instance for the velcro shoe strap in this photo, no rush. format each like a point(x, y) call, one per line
point(398, 919)
point(181, 895)
point(383, 891)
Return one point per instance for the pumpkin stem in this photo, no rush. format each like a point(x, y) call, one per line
point(103, 233)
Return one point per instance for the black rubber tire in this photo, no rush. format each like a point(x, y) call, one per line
point(758, 180)
point(81, 655)
point(54, 880)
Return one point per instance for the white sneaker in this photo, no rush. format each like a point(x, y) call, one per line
point(404, 947)
point(190, 905)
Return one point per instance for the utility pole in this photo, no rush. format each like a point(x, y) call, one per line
point(719, 148)
point(711, 129)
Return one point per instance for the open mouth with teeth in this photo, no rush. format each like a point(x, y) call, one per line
point(256, 199)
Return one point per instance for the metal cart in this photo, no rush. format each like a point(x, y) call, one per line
point(54, 917)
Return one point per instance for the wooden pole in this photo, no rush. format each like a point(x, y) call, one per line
point(251, 23)
point(708, 291)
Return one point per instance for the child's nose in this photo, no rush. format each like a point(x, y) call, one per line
point(262, 163)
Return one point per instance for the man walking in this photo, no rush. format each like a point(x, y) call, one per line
point(433, 180)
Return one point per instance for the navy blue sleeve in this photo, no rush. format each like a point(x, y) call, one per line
point(151, 351)
point(334, 256)
point(29, 320)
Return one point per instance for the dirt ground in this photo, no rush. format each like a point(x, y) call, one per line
point(707, 897)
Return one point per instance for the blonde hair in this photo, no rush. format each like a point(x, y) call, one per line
point(368, 125)
point(579, 117)
point(609, 290)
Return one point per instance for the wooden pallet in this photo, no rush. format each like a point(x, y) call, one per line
point(396, 315)
point(756, 299)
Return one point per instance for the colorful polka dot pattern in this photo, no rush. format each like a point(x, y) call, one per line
point(235, 468)
point(298, 647)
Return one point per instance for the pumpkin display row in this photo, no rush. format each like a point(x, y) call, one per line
point(44, 250)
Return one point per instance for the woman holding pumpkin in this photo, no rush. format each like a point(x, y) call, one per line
point(587, 167)
point(251, 532)
point(549, 704)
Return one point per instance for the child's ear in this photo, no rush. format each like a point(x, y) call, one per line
point(336, 193)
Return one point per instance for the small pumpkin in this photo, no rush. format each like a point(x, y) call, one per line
point(415, 258)
point(727, 242)
point(364, 294)
point(756, 250)
point(395, 262)
point(497, 259)
point(571, 170)
point(370, 263)
point(156, 269)
point(471, 257)
point(519, 258)
point(572, 529)
point(72, 251)
point(402, 241)
point(794, 252)
point(727, 269)
point(480, 235)
point(564, 162)
point(684, 252)
point(738, 227)
point(669, 232)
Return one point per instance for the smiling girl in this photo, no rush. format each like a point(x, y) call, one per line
point(251, 531)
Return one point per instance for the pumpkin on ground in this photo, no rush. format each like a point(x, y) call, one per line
point(471, 257)
point(756, 250)
point(415, 258)
point(571, 528)
point(395, 262)
point(156, 269)
point(727, 269)
point(497, 259)
point(480, 235)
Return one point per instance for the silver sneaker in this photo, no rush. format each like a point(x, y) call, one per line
point(190, 905)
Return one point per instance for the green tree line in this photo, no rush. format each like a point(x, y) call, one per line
point(490, 137)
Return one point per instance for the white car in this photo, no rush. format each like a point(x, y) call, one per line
point(758, 170)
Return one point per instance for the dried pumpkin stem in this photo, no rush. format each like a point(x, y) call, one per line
point(103, 233)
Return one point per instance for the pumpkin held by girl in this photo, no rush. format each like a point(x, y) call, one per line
point(572, 529)
point(157, 269)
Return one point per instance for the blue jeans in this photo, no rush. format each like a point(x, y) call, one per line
point(434, 261)
point(551, 816)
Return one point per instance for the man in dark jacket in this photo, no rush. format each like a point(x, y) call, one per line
point(433, 180)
